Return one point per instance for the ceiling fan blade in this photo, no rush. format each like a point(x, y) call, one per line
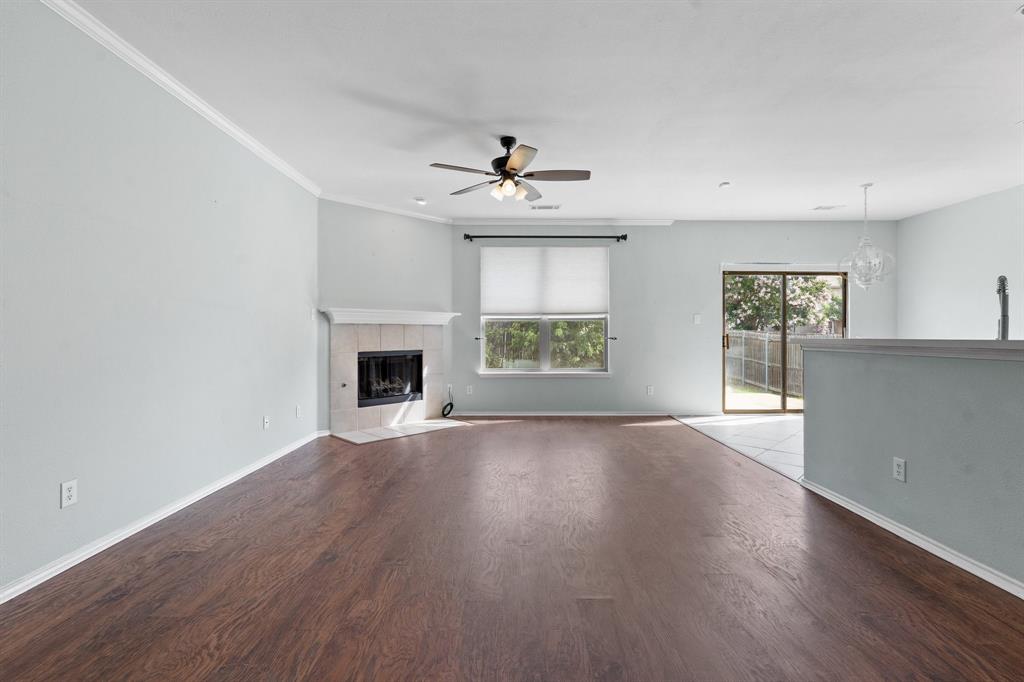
point(531, 192)
point(472, 188)
point(448, 166)
point(559, 175)
point(520, 159)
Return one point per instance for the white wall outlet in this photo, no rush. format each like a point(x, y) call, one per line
point(298, 411)
point(650, 390)
point(469, 389)
point(697, 319)
point(899, 469)
point(266, 423)
point(68, 493)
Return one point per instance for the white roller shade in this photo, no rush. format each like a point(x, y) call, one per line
point(545, 280)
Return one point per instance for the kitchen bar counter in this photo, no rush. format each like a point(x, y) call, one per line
point(954, 412)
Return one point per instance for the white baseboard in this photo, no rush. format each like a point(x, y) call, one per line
point(1001, 580)
point(504, 413)
point(65, 562)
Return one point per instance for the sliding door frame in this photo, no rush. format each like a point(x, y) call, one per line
point(784, 333)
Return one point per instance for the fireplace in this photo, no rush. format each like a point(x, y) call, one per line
point(390, 377)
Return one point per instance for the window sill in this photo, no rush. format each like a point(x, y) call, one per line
point(545, 375)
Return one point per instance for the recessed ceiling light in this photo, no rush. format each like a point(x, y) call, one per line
point(724, 185)
point(828, 207)
point(420, 200)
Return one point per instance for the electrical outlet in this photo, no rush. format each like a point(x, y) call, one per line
point(68, 493)
point(650, 390)
point(899, 469)
point(697, 319)
point(469, 389)
point(266, 423)
point(298, 411)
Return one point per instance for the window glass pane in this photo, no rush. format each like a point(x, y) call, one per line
point(814, 309)
point(577, 344)
point(511, 344)
point(753, 328)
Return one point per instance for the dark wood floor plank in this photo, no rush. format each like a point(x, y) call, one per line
point(518, 549)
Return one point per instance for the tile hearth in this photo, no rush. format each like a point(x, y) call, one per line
point(398, 430)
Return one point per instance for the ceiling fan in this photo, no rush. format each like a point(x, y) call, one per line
point(508, 169)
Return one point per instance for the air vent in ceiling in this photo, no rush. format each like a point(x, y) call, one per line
point(546, 207)
point(828, 207)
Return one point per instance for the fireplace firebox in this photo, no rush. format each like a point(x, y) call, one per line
point(390, 377)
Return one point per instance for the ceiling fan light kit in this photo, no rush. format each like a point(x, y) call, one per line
point(508, 169)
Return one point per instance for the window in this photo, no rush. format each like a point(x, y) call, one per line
point(512, 344)
point(544, 309)
point(578, 344)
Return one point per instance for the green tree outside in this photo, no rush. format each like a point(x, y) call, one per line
point(515, 344)
point(754, 302)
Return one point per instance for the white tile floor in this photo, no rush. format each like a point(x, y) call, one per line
point(398, 430)
point(777, 441)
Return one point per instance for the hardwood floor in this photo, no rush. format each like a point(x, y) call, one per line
point(541, 549)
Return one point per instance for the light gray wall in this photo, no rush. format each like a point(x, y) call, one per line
point(948, 263)
point(956, 422)
point(158, 281)
point(660, 277)
point(372, 259)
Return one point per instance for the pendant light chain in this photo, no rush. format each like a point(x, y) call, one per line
point(865, 186)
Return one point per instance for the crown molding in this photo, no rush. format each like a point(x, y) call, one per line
point(95, 29)
point(565, 222)
point(352, 201)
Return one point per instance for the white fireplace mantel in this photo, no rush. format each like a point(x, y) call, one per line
point(373, 316)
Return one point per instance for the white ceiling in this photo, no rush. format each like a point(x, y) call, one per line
point(795, 103)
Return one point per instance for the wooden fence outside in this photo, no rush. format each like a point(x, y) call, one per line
point(755, 359)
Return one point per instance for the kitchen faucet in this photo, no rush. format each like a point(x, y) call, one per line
point(1004, 309)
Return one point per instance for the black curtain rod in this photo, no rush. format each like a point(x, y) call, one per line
point(617, 237)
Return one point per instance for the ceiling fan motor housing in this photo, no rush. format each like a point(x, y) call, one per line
point(499, 163)
point(508, 142)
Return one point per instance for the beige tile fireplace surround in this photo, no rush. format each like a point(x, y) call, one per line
point(347, 340)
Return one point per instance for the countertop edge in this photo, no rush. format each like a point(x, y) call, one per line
point(972, 349)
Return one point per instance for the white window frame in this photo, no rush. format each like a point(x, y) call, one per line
point(544, 342)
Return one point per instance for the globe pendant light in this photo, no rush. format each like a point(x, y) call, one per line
point(868, 264)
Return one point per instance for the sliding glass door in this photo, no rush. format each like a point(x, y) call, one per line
point(752, 342)
point(766, 315)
